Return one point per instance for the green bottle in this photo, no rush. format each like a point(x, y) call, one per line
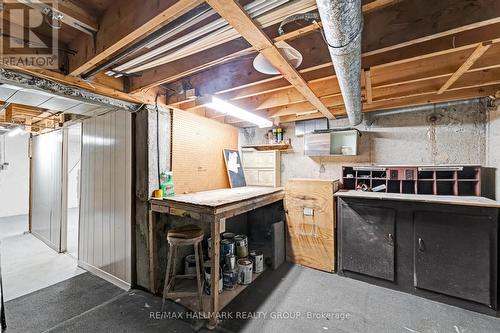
point(169, 190)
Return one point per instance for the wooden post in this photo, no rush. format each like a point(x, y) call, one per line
point(152, 251)
point(214, 273)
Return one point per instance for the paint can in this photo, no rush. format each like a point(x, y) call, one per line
point(226, 247)
point(190, 264)
point(257, 258)
point(230, 279)
point(230, 261)
point(228, 235)
point(241, 246)
point(207, 270)
point(209, 247)
point(244, 271)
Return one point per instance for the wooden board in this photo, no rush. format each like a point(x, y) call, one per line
point(197, 144)
point(439, 199)
point(273, 146)
point(234, 168)
point(221, 197)
point(311, 238)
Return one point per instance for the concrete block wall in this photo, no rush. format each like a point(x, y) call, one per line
point(453, 135)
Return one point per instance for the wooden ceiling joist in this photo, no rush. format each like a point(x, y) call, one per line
point(216, 56)
point(389, 44)
point(368, 87)
point(478, 52)
point(237, 17)
point(122, 24)
point(73, 14)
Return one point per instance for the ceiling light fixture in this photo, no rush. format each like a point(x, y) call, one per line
point(232, 110)
point(261, 64)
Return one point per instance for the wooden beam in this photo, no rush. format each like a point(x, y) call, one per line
point(478, 52)
point(8, 113)
point(368, 87)
point(203, 60)
point(238, 18)
point(73, 14)
point(378, 4)
point(411, 33)
point(122, 25)
point(218, 55)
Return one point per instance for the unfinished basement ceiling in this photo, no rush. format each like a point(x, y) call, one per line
point(190, 50)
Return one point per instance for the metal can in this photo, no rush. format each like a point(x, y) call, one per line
point(228, 235)
point(207, 270)
point(190, 264)
point(230, 279)
point(257, 258)
point(244, 271)
point(241, 246)
point(230, 261)
point(226, 247)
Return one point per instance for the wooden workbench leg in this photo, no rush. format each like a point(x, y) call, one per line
point(214, 274)
point(152, 252)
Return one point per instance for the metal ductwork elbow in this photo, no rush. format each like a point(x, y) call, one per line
point(342, 24)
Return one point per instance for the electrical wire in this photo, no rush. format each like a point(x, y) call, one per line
point(322, 32)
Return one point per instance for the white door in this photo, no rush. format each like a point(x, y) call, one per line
point(47, 183)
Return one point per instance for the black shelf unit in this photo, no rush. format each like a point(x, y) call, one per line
point(460, 180)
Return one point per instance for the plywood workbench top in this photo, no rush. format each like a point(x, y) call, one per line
point(220, 197)
point(439, 199)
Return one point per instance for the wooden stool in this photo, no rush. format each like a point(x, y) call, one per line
point(184, 235)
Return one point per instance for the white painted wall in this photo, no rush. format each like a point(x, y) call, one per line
point(14, 182)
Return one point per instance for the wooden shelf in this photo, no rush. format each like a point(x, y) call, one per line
point(224, 298)
point(275, 146)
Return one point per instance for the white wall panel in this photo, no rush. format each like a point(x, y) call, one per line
point(14, 181)
point(105, 211)
point(47, 188)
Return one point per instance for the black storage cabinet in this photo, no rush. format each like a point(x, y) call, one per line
point(448, 253)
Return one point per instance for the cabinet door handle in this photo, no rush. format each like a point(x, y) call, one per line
point(391, 237)
point(421, 246)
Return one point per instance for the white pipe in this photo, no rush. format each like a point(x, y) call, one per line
point(210, 27)
point(219, 37)
point(181, 27)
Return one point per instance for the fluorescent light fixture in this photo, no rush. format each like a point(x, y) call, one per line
point(232, 110)
point(16, 131)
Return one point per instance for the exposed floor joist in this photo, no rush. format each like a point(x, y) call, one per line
point(236, 16)
point(122, 26)
point(478, 52)
point(226, 52)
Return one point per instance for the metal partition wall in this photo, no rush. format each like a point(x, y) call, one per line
point(105, 201)
point(47, 188)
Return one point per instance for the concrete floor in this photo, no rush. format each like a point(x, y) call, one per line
point(27, 263)
point(283, 301)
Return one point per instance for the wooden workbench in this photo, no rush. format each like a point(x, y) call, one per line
point(210, 207)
